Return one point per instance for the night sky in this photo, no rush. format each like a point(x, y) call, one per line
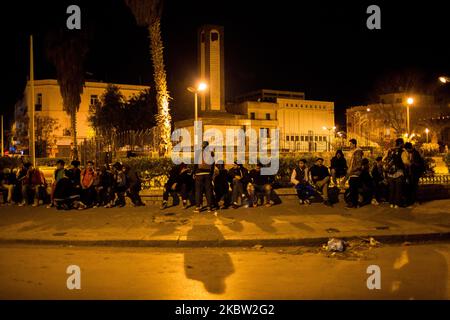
point(320, 47)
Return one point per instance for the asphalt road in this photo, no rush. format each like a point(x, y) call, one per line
point(407, 272)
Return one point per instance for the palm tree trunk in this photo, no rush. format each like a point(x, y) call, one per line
point(163, 118)
point(73, 120)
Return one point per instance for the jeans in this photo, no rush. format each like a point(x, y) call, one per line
point(237, 190)
point(323, 186)
point(203, 184)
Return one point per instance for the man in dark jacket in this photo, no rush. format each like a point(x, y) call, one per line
point(221, 185)
point(134, 186)
point(320, 177)
point(259, 183)
point(414, 171)
point(379, 182)
point(238, 175)
point(203, 173)
point(179, 182)
point(354, 171)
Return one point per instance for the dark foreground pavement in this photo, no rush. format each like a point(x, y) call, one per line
point(406, 272)
point(281, 225)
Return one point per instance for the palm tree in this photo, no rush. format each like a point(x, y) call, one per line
point(148, 13)
point(67, 51)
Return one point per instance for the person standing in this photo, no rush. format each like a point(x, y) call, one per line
point(320, 177)
point(221, 186)
point(354, 172)
point(396, 161)
point(379, 182)
point(120, 184)
point(415, 170)
point(203, 173)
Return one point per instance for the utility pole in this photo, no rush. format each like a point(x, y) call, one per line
point(31, 107)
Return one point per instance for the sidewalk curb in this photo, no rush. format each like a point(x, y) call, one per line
point(307, 242)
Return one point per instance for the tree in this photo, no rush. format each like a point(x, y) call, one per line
point(148, 13)
point(67, 51)
point(107, 116)
point(45, 129)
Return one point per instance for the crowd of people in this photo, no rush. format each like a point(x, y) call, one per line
point(72, 187)
point(392, 178)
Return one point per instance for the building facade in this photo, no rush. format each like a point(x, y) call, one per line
point(377, 124)
point(303, 125)
point(49, 104)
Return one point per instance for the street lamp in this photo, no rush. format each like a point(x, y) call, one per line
point(201, 87)
point(409, 102)
point(444, 79)
point(427, 131)
point(329, 135)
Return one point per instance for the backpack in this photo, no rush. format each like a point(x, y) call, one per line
point(393, 161)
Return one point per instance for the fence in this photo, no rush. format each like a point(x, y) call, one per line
point(123, 144)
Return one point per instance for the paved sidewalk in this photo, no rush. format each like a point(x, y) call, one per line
point(284, 224)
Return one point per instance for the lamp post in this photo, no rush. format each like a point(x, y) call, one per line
point(329, 135)
point(409, 102)
point(444, 79)
point(201, 87)
point(427, 131)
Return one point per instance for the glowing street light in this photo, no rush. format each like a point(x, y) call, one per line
point(444, 79)
point(427, 131)
point(329, 135)
point(200, 88)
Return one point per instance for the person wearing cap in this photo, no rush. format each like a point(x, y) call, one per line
point(203, 173)
point(238, 175)
point(259, 184)
point(320, 177)
point(353, 173)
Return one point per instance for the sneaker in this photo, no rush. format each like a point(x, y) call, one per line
point(300, 201)
point(235, 205)
point(163, 205)
point(307, 202)
point(185, 205)
point(395, 206)
point(21, 204)
point(375, 202)
point(197, 210)
point(350, 206)
point(392, 206)
point(268, 204)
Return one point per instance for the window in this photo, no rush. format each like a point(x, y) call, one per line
point(302, 138)
point(267, 116)
point(38, 105)
point(296, 138)
point(94, 99)
point(214, 36)
point(292, 138)
point(320, 138)
point(398, 100)
point(316, 138)
point(252, 116)
point(287, 138)
point(66, 132)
